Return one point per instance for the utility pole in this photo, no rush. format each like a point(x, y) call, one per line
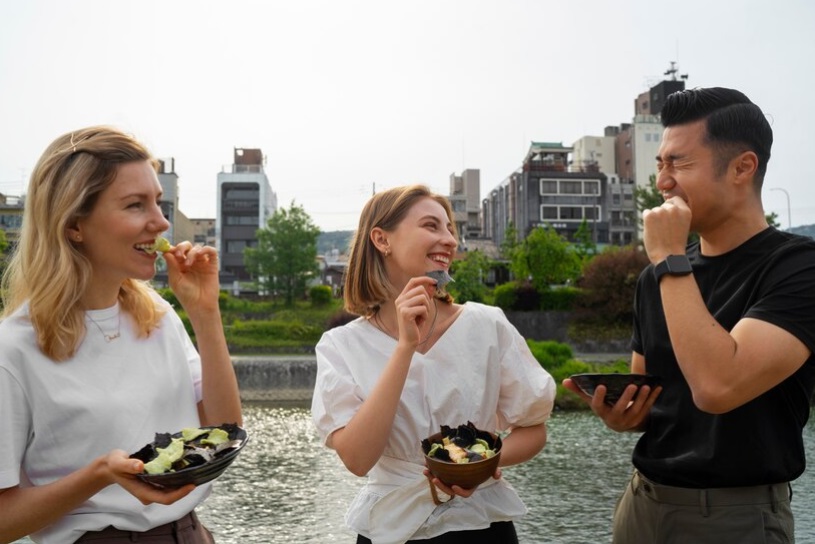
point(789, 215)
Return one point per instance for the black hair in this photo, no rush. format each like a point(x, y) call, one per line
point(733, 123)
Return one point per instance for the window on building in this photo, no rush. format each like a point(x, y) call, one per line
point(548, 213)
point(571, 187)
point(591, 213)
point(548, 186)
point(591, 187)
point(235, 246)
point(571, 212)
point(615, 199)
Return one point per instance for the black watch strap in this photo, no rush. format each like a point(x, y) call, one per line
point(675, 265)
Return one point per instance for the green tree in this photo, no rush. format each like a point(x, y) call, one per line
point(469, 274)
point(3, 247)
point(584, 244)
point(648, 197)
point(772, 220)
point(286, 255)
point(545, 258)
point(510, 242)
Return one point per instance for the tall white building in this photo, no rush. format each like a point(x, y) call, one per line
point(245, 202)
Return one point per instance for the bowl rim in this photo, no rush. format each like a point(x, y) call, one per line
point(214, 465)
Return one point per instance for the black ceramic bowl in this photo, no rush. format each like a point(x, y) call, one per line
point(200, 474)
point(615, 383)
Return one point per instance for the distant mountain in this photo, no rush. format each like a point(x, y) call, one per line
point(337, 239)
point(805, 230)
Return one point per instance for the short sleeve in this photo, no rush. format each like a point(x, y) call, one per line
point(191, 354)
point(527, 390)
point(15, 422)
point(336, 395)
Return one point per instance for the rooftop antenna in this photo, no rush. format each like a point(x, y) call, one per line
point(673, 70)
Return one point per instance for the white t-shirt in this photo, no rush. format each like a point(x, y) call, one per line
point(480, 370)
point(56, 417)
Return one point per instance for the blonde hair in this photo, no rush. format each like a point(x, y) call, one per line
point(367, 285)
point(46, 269)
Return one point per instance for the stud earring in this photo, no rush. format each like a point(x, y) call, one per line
point(387, 252)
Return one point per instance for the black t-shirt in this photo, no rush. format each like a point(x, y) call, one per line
point(770, 277)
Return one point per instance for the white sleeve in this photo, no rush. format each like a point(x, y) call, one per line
point(15, 428)
point(337, 397)
point(527, 390)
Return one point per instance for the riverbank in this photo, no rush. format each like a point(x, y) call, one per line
point(290, 378)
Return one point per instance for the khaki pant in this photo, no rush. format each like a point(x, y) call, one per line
point(187, 530)
point(649, 513)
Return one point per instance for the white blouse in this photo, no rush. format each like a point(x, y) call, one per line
point(480, 370)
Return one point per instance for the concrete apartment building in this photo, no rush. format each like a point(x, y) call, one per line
point(465, 199)
point(11, 219)
point(181, 228)
point(547, 190)
point(245, 202)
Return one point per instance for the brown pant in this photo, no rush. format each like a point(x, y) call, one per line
point(650, 513)
point(187, 530)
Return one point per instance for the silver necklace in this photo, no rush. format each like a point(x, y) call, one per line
point(381, 326)
point(109, 337)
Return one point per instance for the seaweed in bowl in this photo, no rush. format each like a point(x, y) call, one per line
point(465, 455)
point(194, 455)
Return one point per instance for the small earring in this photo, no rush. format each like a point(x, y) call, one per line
point(387, 252)
point(78, 238)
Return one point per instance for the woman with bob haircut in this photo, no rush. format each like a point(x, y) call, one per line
point(413, 361)
point(93, 362)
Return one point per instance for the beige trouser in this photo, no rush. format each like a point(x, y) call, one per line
point(649, 513)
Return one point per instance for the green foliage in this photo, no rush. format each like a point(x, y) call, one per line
point(584, 245)
point(248, 336)
point(168, 295)
point(557, 359)
point(560, 299)
point(772, 220)
point(3, 242)
point(510, 243)
point(648, 197)
point(320, 295)
point(469, 274)
point(285, 257)
point(505, 296)
point(545, 258)
point(608, 286)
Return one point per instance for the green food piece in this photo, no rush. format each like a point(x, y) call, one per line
point(191, 433)
point(216, 437)
point(166, 457)
point(161, 244)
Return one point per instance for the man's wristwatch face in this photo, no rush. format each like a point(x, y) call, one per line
point(675, 265)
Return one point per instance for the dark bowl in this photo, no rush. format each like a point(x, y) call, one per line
point(465, 475)
point(200, 474)
point(615, 383)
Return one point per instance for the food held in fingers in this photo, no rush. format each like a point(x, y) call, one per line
point(441, 276)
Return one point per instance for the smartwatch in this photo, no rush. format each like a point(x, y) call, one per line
point(675, 265)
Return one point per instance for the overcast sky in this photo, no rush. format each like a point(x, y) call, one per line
point(344, 96)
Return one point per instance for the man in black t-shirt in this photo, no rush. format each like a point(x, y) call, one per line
point(728, 324)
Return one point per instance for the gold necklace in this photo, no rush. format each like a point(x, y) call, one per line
point(381, 326)
point(109, 337)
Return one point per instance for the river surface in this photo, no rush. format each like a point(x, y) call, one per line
point(286, 488)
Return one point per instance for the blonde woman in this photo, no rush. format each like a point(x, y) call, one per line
point(414, 361)
point(92, 361)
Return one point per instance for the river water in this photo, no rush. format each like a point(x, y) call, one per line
point(285, 487)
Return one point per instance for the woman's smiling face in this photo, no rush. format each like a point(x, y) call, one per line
point(126, 218)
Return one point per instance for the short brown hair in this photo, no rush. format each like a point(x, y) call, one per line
point(366, 282)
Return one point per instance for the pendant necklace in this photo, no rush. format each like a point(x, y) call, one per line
point(381, 326)
point(109, 337)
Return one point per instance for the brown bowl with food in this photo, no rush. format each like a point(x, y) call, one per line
point(464, 456)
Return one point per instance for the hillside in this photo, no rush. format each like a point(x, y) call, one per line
point(337, 239)
point(805, 230)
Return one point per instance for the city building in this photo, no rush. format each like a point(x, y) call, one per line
point(181, 228)
point(465, 199)
point(549, 191)
point(204, 231)
point(245, 202)
point(11, 219)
